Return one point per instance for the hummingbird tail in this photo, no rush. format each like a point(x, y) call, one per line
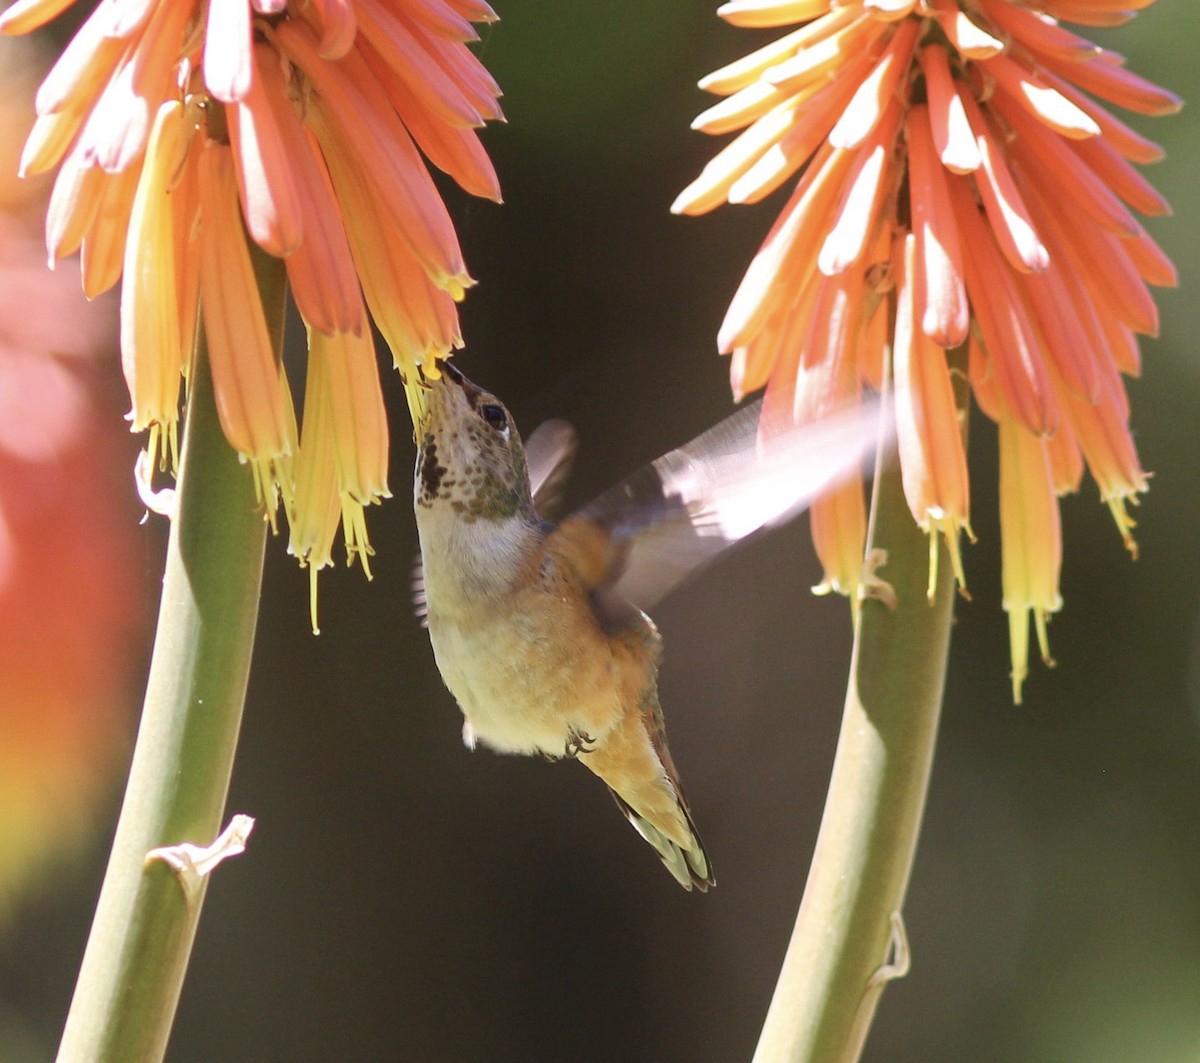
point(688, 864)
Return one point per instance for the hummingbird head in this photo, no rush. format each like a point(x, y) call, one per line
point(471, 462)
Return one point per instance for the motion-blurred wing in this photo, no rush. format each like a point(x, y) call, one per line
point(549, 454)
point(681, 511)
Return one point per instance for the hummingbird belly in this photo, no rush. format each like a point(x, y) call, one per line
point(530, 681)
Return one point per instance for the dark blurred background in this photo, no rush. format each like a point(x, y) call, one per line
point(402, 898)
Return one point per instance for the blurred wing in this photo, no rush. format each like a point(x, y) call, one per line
point(678, 513)
point(550, 453)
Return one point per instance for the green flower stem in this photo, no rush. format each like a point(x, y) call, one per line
point(848, 939)
point(145, 923)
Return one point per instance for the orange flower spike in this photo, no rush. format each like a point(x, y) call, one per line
point(1102, 261)
point(868, 182)
point(1065, 340)
point(1006, 211)
point(933, 461)
point(185, 207)
point(941, 294)
point(265, 163)
point(952, 133)
point(228, 69)
point(875, 93)
point(464, 67)
point(251, 401)
point(1040, 99)
point(1030, 544)
point(151, 353)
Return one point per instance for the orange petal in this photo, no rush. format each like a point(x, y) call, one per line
point(103, 249)
point(819, 61)
point(933, 461)
point(1039, 98)
point(228, 70)
point(857, 214)
point(758, 13)
point(265, 166)
point(1123, 138)
point(969, 39)
point(344, 369)
point(1115, 84)
point(1008, 334)
point(321, 269)
point(1006, 210)
point(1030, 543)
point(1037, 32)
point(452, 149)
point(789, 252)
point(25, 16)
point(1066, 460)
point(371, 132)
point(839, 531)
point(745, 71)
point(246, 376)
point(1059, 172)
point(809, 128)
point(151, 353)
point(78, 190)
point(948, 121)
point(1111, 167)
point(339, 25)
point(942, 308)
point(874, 95)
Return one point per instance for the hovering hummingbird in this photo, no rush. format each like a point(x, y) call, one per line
point(539, 628)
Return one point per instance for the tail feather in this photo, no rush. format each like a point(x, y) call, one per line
point(689, 865)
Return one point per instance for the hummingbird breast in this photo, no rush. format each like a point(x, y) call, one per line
point(529, 665)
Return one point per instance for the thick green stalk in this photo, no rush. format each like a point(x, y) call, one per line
point(145, 922)
point(848, 939)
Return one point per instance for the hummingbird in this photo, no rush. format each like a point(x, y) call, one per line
point(539, 625)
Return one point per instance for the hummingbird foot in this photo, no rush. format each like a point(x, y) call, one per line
point(578, 742)
point(873, 585)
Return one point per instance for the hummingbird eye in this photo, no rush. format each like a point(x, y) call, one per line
point(494, 415)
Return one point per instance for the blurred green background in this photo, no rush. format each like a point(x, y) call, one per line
point(402, 898)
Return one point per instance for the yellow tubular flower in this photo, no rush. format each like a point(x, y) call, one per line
point(185, 128)
point(956, 158)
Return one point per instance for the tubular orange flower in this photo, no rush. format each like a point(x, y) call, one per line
point(186, 129)
point(953, 157)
